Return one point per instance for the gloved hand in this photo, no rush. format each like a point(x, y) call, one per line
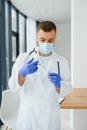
point(29, 68)
point(55, 79)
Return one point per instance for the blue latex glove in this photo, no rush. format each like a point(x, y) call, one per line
point(29, 68)
point(55, 79)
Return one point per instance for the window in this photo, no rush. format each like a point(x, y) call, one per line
point(22, 22)
point(14, 50)
point(14, 19)
point(15, 35)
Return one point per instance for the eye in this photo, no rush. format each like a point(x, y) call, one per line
point(42, 40)
point(51, 41)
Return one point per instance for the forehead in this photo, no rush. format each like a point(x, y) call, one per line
point(43, 34)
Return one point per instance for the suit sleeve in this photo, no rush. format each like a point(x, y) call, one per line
point(13, 80)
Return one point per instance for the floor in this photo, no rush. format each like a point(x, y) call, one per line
point(4, 128)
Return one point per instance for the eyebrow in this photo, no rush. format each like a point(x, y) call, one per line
point(42, 38)
point(48, 39)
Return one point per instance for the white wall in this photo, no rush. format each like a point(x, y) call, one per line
point(79, 37)
point(31, 34)
point(63, 41)
point(79, 53)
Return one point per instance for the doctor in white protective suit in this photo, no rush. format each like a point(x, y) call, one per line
point(42, 76)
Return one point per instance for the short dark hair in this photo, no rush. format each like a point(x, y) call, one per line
point(46, 26)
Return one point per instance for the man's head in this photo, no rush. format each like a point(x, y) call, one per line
point(46, 26)
point(46, 35)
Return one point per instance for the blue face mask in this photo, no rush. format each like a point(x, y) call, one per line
point(46, 48)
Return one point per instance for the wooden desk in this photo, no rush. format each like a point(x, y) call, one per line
point(77, 99)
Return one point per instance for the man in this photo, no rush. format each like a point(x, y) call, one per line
point(42, 77)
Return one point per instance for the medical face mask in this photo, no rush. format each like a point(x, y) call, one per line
point(46, 48)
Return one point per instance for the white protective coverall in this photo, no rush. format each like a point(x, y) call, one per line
point(39, 107)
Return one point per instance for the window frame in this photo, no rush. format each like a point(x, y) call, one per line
point(14, 33)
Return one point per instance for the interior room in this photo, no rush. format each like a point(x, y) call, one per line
point(18, 31)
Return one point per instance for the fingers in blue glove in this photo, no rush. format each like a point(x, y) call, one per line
point(34, 63)
point(54, 76)
point(29, 67)
point(33, 66)
point(33, 69)
point(31, 60)
point(55, 79)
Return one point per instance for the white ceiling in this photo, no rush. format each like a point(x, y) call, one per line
point(56, 10)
